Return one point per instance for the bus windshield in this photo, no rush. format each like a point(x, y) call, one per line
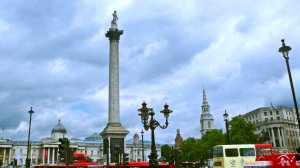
point(218, 151)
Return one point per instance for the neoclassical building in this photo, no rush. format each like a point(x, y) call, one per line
point(206, 119)
point(279, 123)
point(14, 152)
point(135, 150)
point(46, 150)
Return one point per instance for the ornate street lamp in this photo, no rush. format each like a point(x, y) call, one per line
point(152, 124)
point(28, 146)
point(142, 132)
point(225, 115)
point(285, 53)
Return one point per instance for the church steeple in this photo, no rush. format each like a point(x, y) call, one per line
point(206, 120)
point(205, 105)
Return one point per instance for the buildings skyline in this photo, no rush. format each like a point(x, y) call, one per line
point(45, 151)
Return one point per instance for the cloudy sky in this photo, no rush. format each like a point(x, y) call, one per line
point(54, 58)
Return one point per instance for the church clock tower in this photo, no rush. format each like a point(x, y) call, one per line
point(206, 119)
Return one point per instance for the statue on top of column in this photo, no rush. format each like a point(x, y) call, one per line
point(114, 21)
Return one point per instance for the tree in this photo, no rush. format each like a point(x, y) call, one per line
point(242, 132)
point(188, 150)
point(208, 141)
point(166, 152)
point(264, 137)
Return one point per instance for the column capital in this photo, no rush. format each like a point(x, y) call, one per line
point(114, 34)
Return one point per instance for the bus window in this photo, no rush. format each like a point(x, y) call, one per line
point(247, 152)
point(218, 151)
point(231, 152)
point(263, 151)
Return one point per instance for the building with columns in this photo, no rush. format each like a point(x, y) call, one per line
point(13, 152)
point(135, 149)
point(279, 123)
point(45, 151)
point(206, 119)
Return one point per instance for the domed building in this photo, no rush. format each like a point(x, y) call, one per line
point(139, 149)
point(136, 139)
point(94, 137)
point(58, 131)
point(45, 151)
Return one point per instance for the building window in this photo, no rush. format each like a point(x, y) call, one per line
point(278, 118)
point(255, 115)
point(270, 112)
point(271, 118)
point(277, 112)
point(266, 119)
point(265, 113)
point(208, 124)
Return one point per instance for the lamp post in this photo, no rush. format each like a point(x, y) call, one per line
point(142, 132)
point(152, 124)
point(285, 53)
point(28, 146)
point(225, 115)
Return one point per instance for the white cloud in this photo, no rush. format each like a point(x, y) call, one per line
point(57, 61)
point(57, 66)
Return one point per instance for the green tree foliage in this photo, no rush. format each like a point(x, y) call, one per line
point(242, 132)
point(166, 152)
point(188, 150)
point(264, 137)
point(195, 150)
point(208, 141)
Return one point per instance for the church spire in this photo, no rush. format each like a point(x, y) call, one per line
point(205, 105)
point(206, 119)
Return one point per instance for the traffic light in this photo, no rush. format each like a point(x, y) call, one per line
point(125, 158)
point(63, 147)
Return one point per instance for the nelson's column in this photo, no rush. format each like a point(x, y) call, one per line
point(114, 133)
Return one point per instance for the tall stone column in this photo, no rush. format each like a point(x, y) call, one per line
point(282, 134)
point(53, 155)
point(43, 155)
point(273, 137)
point(48, 153)
point(114, 133)
point(279, 137)
point(9, 156)
point(4, 155)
